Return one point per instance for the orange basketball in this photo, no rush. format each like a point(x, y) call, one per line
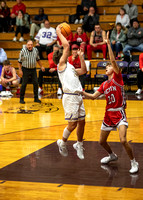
point(65, 29)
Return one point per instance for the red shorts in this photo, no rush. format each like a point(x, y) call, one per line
point(113, 118)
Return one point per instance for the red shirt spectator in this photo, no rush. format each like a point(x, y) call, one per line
point(80, 38)
point(51, 62)
point(141, 61)
point(17, 7)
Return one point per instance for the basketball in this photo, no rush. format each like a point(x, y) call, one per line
point(65, 29)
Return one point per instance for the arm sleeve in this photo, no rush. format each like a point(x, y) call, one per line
point(20, 57)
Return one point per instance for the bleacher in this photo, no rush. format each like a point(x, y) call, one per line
point(58, 11)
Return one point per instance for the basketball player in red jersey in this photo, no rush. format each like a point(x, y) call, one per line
point(9, 77)
point(115, 116)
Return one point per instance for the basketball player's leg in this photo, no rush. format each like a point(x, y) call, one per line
point(78, 146)
point(66, 133)
point(103, 142)
point(123, 139)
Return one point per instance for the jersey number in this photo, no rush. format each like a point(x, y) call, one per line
point(111, 99)
point(46, 34)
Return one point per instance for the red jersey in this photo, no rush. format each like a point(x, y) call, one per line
point(76, 63)
point(18, 7)
point(114, 92)
point(9, 74)
point(80, 38)
point(51, 62)
point(141, 61)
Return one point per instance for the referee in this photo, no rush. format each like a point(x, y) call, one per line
point(27, 67)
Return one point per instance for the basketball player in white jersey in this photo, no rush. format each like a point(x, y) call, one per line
point(72, 98)
point(115, 116)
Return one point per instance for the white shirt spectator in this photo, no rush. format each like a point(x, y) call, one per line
point(3, 55)
point(46, 35)
point(125, 21)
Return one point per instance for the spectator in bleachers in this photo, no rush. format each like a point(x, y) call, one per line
point(14, 13)
point(69, 39)
point(45, 39)
point(4, 17)
point(134, 39)
point(3, 56)
point(38, 22)
point(97, 42)
point(75, 61)
point(51, 71)
point(22, 25)
point(9, 77)
point(131, 10)
point(90, 20)
point(83, 9)
point(80, 38)
point(118, 39)
point(123, 18)
point(140, 75)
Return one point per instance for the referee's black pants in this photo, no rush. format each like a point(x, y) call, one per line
point(25, 78)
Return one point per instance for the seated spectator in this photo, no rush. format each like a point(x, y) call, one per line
point(131, 10)
point(37, 23)
point(140, 75)
point(118, 39)
point(83, 9)
point(4, 17)
point(69, 39)
point(22, 25)
point(45, 39)
point(97, 42)
point(75, 61)
point(14, 13)
point(3, 56)
point(134, 39)
point(123, 18)
point(9, 77)
point(51, 71)
point(80, 38)
point(90, 20)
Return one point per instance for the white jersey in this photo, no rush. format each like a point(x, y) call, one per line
point(46, 35)
point(70, 80)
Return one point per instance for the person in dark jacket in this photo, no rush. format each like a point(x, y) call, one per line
point(83, 9)
point(4, 16)
point(90, 20)
point(134, 39)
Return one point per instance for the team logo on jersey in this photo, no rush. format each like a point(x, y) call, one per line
point(110, 89)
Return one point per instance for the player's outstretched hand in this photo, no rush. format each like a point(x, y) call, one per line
point(80, 52)
point(58, 29)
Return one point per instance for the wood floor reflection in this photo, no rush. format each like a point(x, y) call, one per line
point(32, 168)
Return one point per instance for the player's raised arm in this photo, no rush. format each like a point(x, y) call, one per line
point(111, 55)
point(83, 69)
point(65, 44)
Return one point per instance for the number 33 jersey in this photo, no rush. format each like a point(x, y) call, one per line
point(114, 92)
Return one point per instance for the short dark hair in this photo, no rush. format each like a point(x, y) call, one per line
point(6, 62)
point(108, 63)
point(57, 55)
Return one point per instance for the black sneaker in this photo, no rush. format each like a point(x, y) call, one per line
point(22, 101)
point(37, 100)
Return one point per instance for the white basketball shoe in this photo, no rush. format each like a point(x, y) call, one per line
point(134, 166)
point(107, 159)
point(62, 148)
point(78, 146)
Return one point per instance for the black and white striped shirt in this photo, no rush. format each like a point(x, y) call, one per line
point(28, 58)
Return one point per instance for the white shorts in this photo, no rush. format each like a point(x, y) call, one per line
point(110, 128)
point(73, 107)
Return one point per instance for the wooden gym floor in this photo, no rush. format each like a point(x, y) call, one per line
point(32, 168)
